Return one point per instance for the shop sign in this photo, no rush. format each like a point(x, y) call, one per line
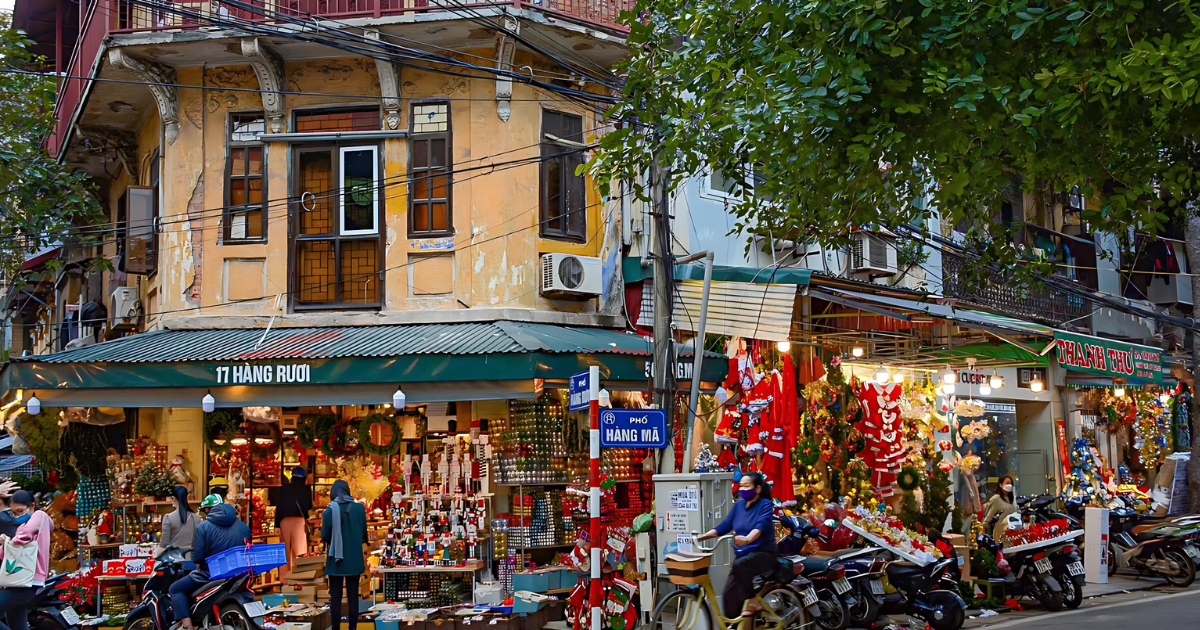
point(973, 378)
point(263, 374)
point(1095, 355)
point(579, 390)
point(633, 428)
point(683, 369)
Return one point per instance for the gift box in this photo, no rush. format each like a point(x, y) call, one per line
point(113, 567)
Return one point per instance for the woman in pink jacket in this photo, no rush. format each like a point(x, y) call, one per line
point(36, 529)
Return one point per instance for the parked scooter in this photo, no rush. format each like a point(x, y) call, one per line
point(1157, 553)
point(47, 611)
point(830, 613)
point(1032, 573)
point(864, 571)
point(1067, 568)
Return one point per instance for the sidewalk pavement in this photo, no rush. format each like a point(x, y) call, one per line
point(1117, 584)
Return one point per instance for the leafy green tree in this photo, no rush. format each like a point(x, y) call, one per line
point(40, 199)
point(873, 112)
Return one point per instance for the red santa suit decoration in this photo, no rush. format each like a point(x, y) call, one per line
point(780, 426)
point(883, 433)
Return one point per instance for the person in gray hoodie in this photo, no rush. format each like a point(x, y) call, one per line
point(220, 531)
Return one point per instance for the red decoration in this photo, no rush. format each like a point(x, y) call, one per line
point(883, 430)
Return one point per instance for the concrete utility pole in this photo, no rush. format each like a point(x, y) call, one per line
point(661, 381)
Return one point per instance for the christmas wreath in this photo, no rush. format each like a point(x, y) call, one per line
point(257, 430)
point(337, 442)
point(220, 423)
point(313, 428)
point(808, 453)
point(908, 478)
point(364, 435)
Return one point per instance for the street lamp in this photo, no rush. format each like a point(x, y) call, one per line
point(604, 398)
point(857, 352)
point(34, 406)
point(996, 381)
point(948, 377)
point(1036, 385)
point(784, 346)
point(208, 403)
point(399, 399)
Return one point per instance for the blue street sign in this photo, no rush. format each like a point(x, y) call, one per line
point(579, 390)
point(633, 428)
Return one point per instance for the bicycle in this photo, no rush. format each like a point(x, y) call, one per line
point(783, 598)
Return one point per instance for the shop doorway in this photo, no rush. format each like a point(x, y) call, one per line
point(1032, 469)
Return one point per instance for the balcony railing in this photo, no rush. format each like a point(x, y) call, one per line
point(1039, 303)
point(124, 16)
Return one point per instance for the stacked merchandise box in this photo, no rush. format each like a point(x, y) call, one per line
point(307, 580)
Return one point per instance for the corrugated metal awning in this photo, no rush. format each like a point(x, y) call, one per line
point(741, 309)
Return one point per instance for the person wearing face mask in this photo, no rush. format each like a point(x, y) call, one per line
point(752, 521)
point(36, 530)
point(1000, 506)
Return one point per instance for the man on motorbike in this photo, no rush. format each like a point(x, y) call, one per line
point(220, 531)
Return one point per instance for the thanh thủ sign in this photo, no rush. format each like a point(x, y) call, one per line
point(1108, 357)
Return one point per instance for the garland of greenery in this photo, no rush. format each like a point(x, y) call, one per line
point(220, 423)
point(364, 435)
point(908, 478)
point(313, 427)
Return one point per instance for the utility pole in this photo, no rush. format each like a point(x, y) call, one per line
point(661, 381)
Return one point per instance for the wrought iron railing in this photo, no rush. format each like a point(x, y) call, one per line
point(1038, 302)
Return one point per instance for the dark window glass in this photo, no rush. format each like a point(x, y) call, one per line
point(563, 199)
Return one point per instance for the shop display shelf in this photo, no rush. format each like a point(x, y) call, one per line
point(534, 484)
point(470, 567)
point(521, 547)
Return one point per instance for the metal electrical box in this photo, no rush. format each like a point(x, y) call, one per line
point(693, 502)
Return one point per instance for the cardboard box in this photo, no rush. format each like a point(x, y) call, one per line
point(305, 563)
point(113, 567)
point(292, 625)
point(307, 574)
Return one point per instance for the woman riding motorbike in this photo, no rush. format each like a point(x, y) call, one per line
point(752, 522)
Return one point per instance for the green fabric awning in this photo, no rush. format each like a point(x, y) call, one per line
point(634, 272)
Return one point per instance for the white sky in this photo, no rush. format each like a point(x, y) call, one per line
point(6, 5)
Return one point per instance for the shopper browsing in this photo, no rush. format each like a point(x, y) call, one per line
point(34, 535)
point(344, 530)
point(752, 522)
point(1000, 506)
point(291, 513)
point(178, 527)
point(220, 531)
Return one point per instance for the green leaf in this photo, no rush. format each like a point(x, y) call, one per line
point(1078, 15)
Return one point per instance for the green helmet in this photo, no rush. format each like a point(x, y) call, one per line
point(211, 501)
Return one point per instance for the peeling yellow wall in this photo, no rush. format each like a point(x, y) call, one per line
point(496, 248)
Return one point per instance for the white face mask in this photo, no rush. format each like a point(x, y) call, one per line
point(1006, 487)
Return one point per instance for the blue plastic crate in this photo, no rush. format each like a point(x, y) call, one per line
point(252, 558)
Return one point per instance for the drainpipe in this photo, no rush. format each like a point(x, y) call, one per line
point(697, 359)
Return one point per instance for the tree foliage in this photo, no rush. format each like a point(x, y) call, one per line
point(869, 112)
point(40, 199)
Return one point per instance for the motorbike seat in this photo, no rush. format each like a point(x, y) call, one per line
point(203, 587)
point(897, 570)
point(817, 564)
point(1145, 535)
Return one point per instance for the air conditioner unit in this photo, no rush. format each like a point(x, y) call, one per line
point(872, 255)
point(125, 307)
point(570, 275)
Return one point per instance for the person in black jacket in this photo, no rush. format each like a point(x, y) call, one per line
point(291, 514)
point(220, 531)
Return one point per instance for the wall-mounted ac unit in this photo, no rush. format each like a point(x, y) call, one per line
point(872, 255)
point(125, 307)
point(568, 275)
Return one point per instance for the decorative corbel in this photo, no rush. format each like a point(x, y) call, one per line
point(122, 143)
point(506, 49)
point(268, 66)
point(160, 80)
point(389, 88)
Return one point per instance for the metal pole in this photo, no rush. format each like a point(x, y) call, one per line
point(697, 363)
point(594, 592)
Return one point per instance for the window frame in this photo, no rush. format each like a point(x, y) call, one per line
point(335, 150)
point(414, 172)
point(341, 198)
point(151, 266)
point(544, 231)
point(229, 209)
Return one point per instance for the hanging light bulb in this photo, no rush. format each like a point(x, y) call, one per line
point(1036, 385)
point(605, 398)
point(208, 403)
point(34, 406)
point(996, 381)
point(948, 377)
point(722, 395)
point(784, 346)
point(1119, 391)
point(985, 389)
point(882, 375)
point(857, 352)
point(398, 398)
point(948, 389)
point(898, 377)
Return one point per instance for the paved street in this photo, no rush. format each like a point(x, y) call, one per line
point(1160, 608)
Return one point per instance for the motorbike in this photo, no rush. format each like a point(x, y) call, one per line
point(829, 611)
point(928, 592)
point(1067, 568)
point(47, 611)
point(222, 604)
point(1149, 551)
point(1032, 573)
point(864, 571)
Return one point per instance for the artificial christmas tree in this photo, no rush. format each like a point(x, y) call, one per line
point(153, 481)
